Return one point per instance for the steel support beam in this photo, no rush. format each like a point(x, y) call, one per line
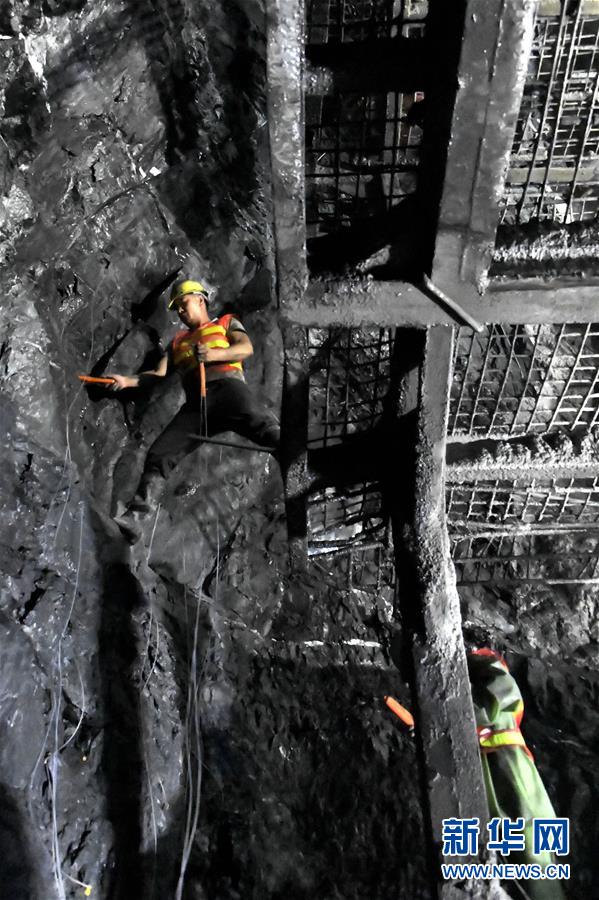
point(294, 452)
point(285, 60)
point(492, 68)
point(466, 529)
point(445, 715)
point(363, 302)
point(495, 51)
point(519, 474)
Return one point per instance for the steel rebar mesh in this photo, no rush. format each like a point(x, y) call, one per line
point(350, 372)
point(524, 379)
point(500, 504)
point(360, 20)
point(553, 173)
point(367, 568)
point(362, 157)
point(529, 557)
point(342, 517)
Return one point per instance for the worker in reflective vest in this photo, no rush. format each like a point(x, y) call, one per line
point(513, 785)
point(208, 356)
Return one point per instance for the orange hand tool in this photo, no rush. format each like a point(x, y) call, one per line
point(400, 711)
point(89, 379)
point(202, 380)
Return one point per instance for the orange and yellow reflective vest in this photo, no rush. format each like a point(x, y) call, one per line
point(212, 334)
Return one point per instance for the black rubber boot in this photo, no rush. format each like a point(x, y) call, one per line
point(131, 522)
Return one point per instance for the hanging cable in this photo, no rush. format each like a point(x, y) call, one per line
point(192, 744)
point(52, 763)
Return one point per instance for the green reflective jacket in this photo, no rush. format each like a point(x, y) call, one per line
point(514, 787)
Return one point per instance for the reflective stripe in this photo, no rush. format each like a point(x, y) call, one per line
point(490, 740)
point(213, 329)
point(508, 738)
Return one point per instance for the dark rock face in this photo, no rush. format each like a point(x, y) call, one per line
point(182, 720)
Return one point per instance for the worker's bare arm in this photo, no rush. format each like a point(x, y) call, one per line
point(133, 381)
point(240, 348)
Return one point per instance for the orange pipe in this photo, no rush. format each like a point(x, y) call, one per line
point(88, 379)
point(400, 711)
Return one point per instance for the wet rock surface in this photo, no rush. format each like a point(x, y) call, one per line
point(183, 719)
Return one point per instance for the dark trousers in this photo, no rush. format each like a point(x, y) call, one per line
point(229, 406)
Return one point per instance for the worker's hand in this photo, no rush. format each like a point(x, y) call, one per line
point(122, 381)
point(206, 354)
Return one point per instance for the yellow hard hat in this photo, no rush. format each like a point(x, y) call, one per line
point(185, 286)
